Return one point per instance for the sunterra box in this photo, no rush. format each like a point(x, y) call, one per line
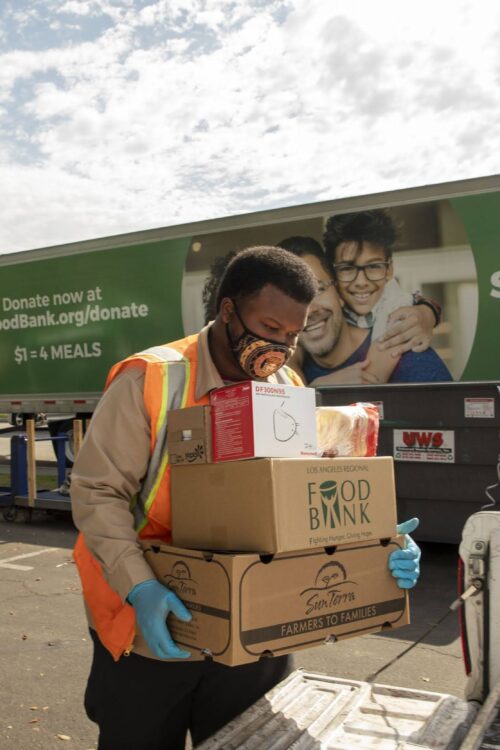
point(246, 606)
point(189, 436)
point(253, 419)
point(278, 505)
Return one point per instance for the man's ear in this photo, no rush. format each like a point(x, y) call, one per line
point(226, 310)
point(390, 270)
point(336, 287)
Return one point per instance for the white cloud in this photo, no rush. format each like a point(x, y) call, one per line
point(79, 7)
point(179, 111)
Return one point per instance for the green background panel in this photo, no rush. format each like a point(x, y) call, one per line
point(149, 274)
point(480, 215)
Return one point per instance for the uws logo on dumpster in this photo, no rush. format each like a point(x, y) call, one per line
point(336, 504)
point(424, 445)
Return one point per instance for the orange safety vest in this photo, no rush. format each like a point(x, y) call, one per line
point(169, 383)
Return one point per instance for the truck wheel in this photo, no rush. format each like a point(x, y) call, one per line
point(10, 514)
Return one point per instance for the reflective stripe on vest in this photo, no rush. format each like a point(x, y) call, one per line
point(290, 375)
point(168, 376)
point(174, 396)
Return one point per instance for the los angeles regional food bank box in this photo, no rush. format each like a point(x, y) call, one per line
point(278, 505)
point(247, 606)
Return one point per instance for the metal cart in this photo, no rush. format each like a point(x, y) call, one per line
point(23, 492)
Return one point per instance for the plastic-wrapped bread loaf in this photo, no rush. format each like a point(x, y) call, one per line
point(347, 430)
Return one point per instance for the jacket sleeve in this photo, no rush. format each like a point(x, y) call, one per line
point(107, 474)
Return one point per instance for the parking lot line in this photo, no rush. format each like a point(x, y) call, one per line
point(7, 563)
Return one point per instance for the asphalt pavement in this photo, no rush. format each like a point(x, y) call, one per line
point(45, 649)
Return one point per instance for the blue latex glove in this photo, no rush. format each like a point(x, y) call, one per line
point(152, 603)
point(404, 563)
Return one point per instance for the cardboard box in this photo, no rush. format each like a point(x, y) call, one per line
point(251, 420)
point(277, 505)
point(189, 436)
point(248, 606)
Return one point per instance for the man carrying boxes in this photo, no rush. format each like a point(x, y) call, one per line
point(150, 697)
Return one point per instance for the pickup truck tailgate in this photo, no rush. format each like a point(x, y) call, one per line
point(317, 712)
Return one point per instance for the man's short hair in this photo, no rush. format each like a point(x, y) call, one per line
point(375, 226)
point(252, 269)
point(301, 246)
point(211, 285)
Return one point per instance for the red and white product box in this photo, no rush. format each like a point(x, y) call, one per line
point(263, 420)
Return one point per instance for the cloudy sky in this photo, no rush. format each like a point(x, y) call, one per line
point(119, 115)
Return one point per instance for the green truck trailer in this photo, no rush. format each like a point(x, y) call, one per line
point(68, 312)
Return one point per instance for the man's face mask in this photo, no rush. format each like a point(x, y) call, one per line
point(256, 356)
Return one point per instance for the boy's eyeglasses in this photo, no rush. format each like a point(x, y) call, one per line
point(373, 271)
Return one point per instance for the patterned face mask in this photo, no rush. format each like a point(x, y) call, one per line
point(256, 356)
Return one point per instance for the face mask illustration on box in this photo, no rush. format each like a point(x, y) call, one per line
point(285, 426)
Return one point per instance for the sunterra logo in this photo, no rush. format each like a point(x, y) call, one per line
point(337, 600)
point(327, 602)
point(331, 588)
point(334, 505)
point(180, 580)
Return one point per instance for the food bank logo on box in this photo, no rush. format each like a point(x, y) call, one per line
point(331, 589)
point(335, 504)
point(179, 580)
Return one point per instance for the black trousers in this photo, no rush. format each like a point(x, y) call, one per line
point(145, 704)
